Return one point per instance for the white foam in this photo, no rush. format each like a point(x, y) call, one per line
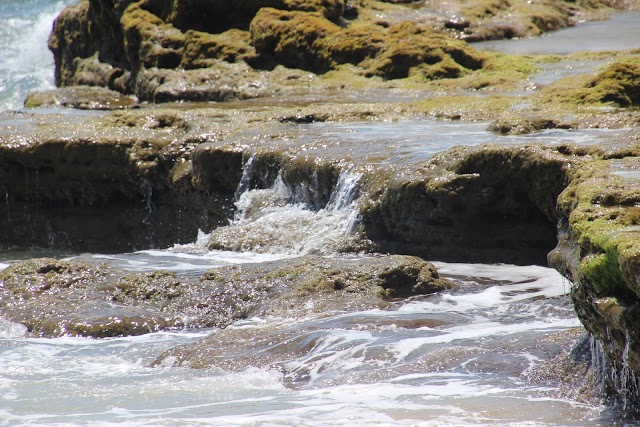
point(9, 330)
point(26, 64)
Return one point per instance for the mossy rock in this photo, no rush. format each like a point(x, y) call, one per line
point(310, 42)
point(409, 47)
point(81, 97)
point(218, 16)
point(201, 49)
point(31, 278)
point(293, 39)
point(617, 85)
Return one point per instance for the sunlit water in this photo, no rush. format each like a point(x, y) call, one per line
point(456, 358)
point(621, 32)
point(459, 357)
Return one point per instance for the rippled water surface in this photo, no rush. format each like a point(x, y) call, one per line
point(458, 358)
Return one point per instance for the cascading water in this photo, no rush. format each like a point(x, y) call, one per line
point(281, 220)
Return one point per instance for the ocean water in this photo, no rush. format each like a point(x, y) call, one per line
point(458, 358)
point(26, 64)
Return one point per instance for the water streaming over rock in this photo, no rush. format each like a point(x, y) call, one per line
point(284, 219)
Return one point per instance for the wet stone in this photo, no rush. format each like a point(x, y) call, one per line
point(52, 297)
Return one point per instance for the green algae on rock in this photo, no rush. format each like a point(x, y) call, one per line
point(617, 85)
point(168, 51)
point(598, 250)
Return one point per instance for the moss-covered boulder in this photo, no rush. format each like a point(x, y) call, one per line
point(617, 85)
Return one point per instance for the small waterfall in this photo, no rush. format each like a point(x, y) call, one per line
point(282, 219)
point(146, 190)
point(247, 172)
point(616, 376)
point(599, 363)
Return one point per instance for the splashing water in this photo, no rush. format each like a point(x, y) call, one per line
point(26, 64)
point(280, 219)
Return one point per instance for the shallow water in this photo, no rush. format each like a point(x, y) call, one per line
point(621, 32)
point(404, 142)
point(458, 358)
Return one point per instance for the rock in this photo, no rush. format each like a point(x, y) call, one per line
point(304, 41)
point(412, 49)
point(81, 97)
point(494, 19)
point(617, 85)
point(102, 183)
point(572, 368)
point(472, 203)
point(598, 250)
point(301, 287)
point(53, 298)
point(152, 49)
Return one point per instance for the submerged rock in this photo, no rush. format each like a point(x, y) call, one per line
point(300, 288)
point(53, 298)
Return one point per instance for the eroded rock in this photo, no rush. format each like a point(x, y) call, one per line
point(188, 50)
point(481, 203)
point(598, 250)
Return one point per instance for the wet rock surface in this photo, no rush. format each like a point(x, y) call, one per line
point(53, 298)
point(598, 251)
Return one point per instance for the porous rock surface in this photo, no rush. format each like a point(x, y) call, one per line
point(53, 297)
point(162, 50)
